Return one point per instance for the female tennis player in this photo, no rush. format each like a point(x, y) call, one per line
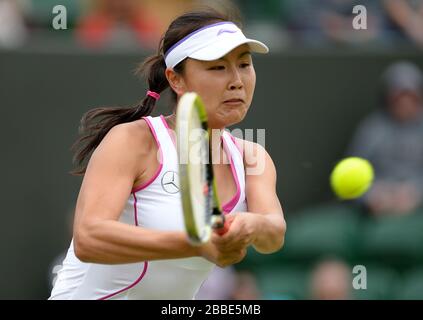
point(129, 240)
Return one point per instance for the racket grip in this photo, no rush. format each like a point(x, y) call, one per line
point(220, 224)
point(221, 231)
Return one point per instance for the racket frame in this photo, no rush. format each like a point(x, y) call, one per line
point(188, 103)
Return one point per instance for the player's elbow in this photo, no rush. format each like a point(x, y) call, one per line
point(81, 245)
point(283, 232)
point(274, 239)
point(279, 237)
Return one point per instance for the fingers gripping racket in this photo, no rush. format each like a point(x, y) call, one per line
point(201, 207)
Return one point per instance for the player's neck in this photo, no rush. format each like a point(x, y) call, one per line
point(218, 153)
point(171, 121)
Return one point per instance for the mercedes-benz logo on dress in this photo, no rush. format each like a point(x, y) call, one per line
point(170, 182)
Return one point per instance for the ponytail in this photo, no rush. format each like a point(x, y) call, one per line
point(96, 123)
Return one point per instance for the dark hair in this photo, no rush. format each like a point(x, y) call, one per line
point(96, 123)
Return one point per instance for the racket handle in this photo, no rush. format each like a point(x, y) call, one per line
point(219, 224)
point(221, 231)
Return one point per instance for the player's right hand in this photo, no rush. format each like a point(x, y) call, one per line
point(220, 255)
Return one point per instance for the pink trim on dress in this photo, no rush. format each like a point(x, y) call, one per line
point(144, 271)
point(227, 207)
point(236, 144)
point(146, 184)
point(164, 121)
point(135, 209)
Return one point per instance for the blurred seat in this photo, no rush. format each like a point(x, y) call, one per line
point(293, 282)
point(322, 231)
point(394, 240)
point(412, 288)
point(283, 283)
point(254, 260)
point(382, 284)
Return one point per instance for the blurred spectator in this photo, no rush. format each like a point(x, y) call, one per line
point(319, 23)
point(13, 31)
point(228, 6)
point(246, 287)
point(166, 10)
point(261, 10)
point(392, 139)
point(229, 284)
point(266, 19)
point(219, 285)
point(331, 280)
point(405, 19)
point(119, 23)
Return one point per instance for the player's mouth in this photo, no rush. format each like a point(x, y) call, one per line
point(234, 102)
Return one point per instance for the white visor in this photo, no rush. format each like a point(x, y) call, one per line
point(211, 43)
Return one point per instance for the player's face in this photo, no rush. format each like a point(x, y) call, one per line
point(226, 85)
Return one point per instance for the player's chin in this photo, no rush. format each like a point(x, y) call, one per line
point(232, 116)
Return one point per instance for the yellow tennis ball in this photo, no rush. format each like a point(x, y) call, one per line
point(351, 177)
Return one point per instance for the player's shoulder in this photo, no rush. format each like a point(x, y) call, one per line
point(247, 147)
point(257, 161)
point(253, 153)
point(132, 136)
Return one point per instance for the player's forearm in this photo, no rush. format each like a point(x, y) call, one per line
point(112, 242)
point(270, 233)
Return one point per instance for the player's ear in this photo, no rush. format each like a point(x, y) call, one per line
point(176, 81)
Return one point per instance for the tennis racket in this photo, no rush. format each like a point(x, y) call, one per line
point(201, 207)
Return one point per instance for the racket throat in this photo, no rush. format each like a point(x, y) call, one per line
point(217, 219)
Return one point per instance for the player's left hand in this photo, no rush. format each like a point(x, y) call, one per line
point(241, 231)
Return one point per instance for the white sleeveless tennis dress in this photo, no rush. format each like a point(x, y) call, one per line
point(154, 205)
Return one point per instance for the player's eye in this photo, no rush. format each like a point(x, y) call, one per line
point(245, 65)
point(217, 68)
